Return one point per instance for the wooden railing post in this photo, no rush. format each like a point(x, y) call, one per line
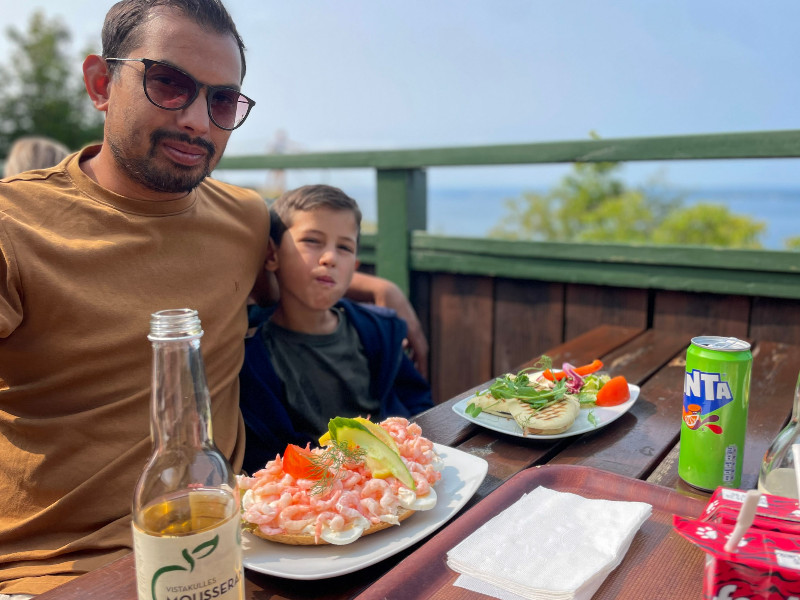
point(402, 208)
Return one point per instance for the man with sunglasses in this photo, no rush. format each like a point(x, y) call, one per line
point(88, 250)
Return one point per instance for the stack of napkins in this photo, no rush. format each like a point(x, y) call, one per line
point(548, 545)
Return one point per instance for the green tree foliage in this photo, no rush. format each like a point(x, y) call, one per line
point(43, 91)
point(591, 204)
point(710, 225)
point(792, 243)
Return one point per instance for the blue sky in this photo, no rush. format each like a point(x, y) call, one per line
point(364, 74)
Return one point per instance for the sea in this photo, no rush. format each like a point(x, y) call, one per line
point(474, 211)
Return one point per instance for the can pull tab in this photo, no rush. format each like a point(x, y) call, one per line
point(721, 343)
point(744, 520)
point(724, 343)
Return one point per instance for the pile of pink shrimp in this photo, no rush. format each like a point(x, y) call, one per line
point(284, 504)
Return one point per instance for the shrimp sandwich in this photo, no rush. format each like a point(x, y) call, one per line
point(364, 477)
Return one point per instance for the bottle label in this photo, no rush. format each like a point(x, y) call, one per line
point(197, 566)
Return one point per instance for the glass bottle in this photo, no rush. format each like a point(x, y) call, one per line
point(777, 474)
point(186, 523)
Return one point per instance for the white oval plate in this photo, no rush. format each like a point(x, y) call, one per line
point(462, 473)
point(603, 414)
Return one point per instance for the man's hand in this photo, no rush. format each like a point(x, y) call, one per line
point(369, 288)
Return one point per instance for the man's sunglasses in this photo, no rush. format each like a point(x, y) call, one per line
point(171, 89)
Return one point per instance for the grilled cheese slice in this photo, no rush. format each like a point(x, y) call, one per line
point(556, 418)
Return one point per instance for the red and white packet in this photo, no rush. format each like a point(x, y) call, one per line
point(764, 564)
point(773, 513)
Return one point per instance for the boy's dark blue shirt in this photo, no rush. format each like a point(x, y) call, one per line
point(401, 390)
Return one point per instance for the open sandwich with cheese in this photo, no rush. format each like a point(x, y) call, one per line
point(546, 402)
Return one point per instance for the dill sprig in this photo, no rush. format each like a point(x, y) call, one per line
point(328, 465)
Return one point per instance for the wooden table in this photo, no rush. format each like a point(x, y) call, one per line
point(641, 446)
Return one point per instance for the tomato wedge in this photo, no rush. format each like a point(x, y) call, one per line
point(615, 391)
point(593, 366)
point(298, 463)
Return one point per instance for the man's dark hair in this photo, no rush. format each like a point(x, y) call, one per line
point(304, 199)
point(121, 28)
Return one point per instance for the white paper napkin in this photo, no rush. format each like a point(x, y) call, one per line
point(548, 545)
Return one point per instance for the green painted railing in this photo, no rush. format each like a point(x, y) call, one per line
point(402, 245)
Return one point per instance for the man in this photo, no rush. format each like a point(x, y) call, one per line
point(89, 250)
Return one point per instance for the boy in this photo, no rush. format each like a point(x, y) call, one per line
point(320, 356)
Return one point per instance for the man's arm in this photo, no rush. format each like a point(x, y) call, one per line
point(10, 290)
point(369, 288)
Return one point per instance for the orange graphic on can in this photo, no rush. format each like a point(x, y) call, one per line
point(691, 416)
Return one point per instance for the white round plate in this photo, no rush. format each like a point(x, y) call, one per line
point(462, 473)
point(604, 415)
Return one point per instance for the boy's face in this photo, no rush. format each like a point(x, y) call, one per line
point(317, 258)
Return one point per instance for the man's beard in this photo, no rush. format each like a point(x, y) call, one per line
point(173, 179)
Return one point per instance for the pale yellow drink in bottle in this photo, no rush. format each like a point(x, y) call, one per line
point(187, 539)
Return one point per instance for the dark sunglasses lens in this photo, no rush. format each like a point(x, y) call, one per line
point(168, 87)
point(228, 108)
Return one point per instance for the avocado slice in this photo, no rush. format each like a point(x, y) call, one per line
point(378, 431)
point(381, 460)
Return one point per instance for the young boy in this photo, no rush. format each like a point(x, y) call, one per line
point(319, 356)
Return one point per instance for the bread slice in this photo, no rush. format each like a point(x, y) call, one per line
point(556, 418)
point(304, 539)
point(494, 406)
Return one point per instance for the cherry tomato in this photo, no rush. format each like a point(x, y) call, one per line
point(615, 391)
point(298, 463)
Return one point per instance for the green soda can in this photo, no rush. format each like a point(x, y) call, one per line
point(716, 394)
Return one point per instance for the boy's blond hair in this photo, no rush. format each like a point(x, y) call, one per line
point(308, 198)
